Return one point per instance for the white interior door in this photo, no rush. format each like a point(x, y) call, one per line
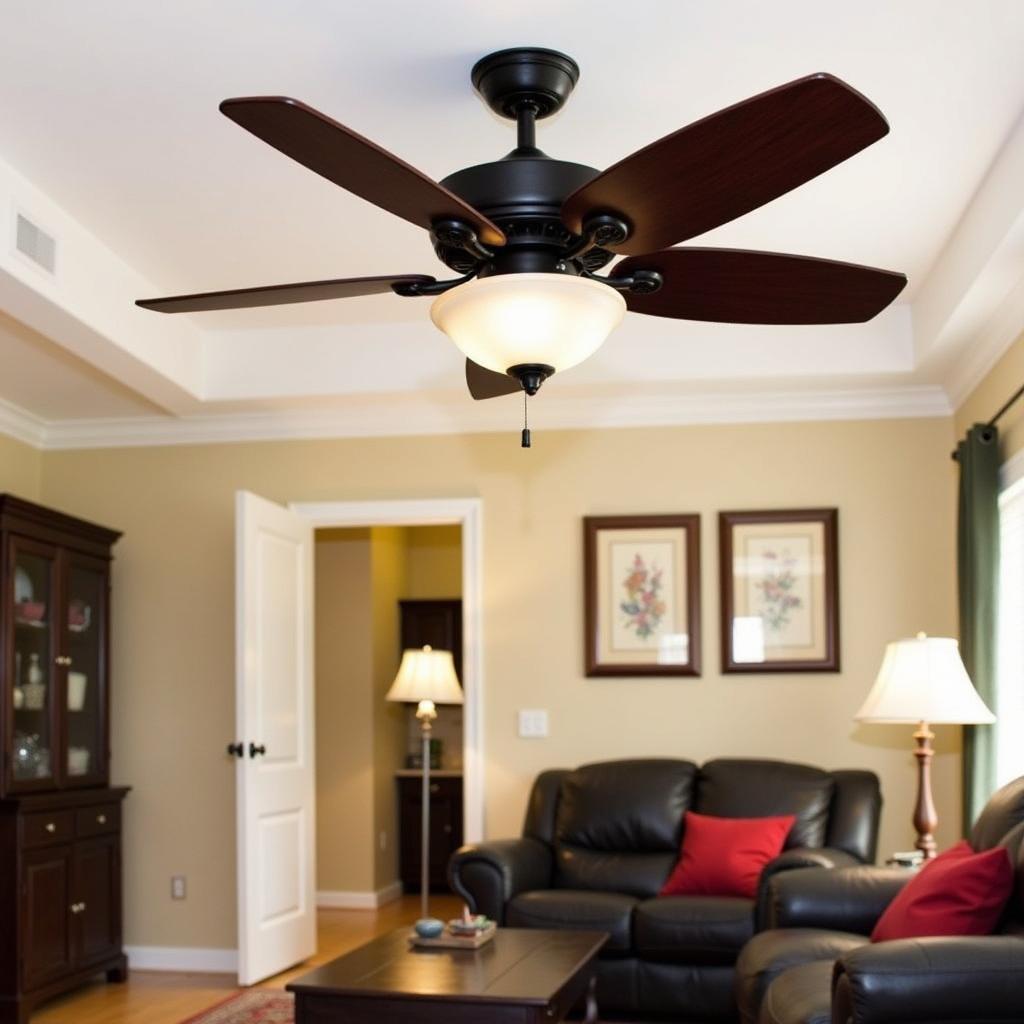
point(274, 714)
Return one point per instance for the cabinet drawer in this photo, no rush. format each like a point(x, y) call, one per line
point(95, 821)
point(47, 827)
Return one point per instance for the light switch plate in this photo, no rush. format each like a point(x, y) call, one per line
point(533, 723)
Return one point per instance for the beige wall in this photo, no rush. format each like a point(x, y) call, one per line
point(344, 712)
point(433, 562)
point(173, 631)
point(983, 402)
point(20, 469)
point(388, 583)
point(360, 575)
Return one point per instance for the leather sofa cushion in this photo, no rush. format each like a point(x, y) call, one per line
point(801, 995)
point(618, 824)
point(625, 806)
point(693, 929)
point(734, 788)
point(770, 953)
point(610, 912)
point(1004, 811)
point(637, 874)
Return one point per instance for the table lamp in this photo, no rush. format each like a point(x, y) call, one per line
point(923, 682)
point(426, 677)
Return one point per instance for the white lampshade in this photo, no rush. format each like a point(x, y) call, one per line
point(923, 679)
point(426, 674)
point(518, 319)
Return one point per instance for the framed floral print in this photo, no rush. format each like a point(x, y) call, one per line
point(642, 595)
point(779, 590)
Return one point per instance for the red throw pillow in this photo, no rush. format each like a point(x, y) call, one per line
point(960, 892)
point(725, 856)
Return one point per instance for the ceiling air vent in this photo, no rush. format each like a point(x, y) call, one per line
point(32, 241)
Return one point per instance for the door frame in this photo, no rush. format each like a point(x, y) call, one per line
point(467, 513)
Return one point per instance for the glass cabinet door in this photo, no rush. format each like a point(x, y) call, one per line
point(85, 606)
point(33, 665)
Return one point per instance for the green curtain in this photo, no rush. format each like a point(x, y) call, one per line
point(978, 586)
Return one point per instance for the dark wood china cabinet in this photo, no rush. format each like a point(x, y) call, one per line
point(60, 820)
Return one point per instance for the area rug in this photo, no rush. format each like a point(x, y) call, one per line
point(257, 1006)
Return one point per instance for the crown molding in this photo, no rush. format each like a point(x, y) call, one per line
point(416, 415)
point(22, 425)
point(977, 361)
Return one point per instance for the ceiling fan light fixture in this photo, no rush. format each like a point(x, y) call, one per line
point(515, 320)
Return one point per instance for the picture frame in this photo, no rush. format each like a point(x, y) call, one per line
point(642, 595)
point(779, 588)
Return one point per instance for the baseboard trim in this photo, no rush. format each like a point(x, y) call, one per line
point(339, 899)
point(182, 958)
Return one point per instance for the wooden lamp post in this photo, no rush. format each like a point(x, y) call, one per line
point(923, 682)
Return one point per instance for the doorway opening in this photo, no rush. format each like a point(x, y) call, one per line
point(426, 530)
point(381, 590)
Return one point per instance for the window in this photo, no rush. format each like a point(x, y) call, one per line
point(1010, 658)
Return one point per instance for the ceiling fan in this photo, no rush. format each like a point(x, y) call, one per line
point(527, 233)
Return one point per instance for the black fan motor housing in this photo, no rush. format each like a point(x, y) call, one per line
point(523, 194)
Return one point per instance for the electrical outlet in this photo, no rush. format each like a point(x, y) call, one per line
point(533, 724)
point(177, 887)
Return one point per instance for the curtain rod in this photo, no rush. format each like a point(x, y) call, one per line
point(1006, 406)
point(1003, 409)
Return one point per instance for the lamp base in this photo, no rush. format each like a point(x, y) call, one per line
point(926, 818)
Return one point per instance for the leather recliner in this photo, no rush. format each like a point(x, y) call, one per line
point(600, 841)
point(817, 965)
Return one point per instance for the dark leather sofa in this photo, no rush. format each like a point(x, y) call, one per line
point(817, 966)
point(600, 841)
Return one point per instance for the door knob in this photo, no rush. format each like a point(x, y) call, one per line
point(254, 750)
point(236, 749)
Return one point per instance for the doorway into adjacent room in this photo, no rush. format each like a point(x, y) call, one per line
point(381, 590)
point(328, 595)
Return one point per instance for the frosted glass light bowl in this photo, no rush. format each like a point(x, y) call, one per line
point(528, 319)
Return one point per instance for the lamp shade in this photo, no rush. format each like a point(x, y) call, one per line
point(528, 319)
point(923, 679)
point(426, 674)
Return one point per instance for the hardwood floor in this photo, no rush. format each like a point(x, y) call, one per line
point(161, 997)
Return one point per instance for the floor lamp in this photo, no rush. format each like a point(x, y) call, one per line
point(923, 682)
point(425, 678)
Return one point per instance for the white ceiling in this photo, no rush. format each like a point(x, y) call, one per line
point(109, 110)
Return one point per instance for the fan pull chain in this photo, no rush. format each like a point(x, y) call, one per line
point(526, 421)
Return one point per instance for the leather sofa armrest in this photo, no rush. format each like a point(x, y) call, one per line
point(933, 980)
point(790, 860)
point(842, 899)
point(488, 875)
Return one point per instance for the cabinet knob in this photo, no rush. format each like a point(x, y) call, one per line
point(101, 819)
point(63, 659)
point(435, 788)
point(447, 830)
point(77, 908)
point(51, 827)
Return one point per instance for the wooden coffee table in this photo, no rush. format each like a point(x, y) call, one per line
point(524, 975)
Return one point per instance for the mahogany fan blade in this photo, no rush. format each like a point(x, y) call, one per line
point(730, 163)
point(738, 286)
point(355, 163)
point(484, 383)
point(279, 294)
